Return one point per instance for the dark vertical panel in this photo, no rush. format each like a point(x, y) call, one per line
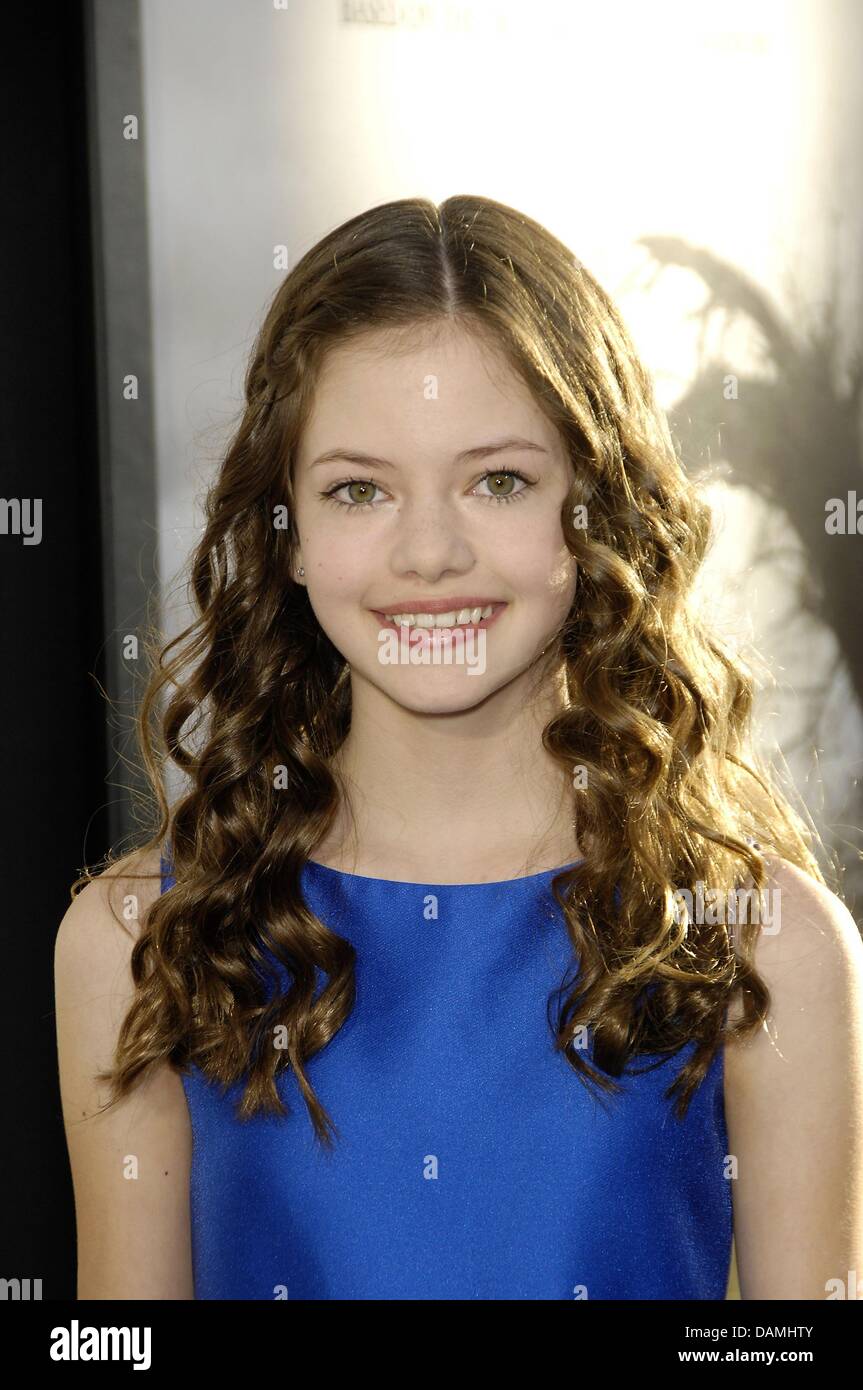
point(74, 207)
point(52, 722)
point(118, 202)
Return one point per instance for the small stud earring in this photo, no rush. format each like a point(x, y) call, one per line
point(302, 572)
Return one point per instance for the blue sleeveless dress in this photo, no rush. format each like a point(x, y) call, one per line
point(471, 1162)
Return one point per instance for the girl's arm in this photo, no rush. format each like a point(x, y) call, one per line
point(130, 1166)
point(794, 1104)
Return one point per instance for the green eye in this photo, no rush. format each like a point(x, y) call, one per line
point(358, 500)
point(507, 479)
point(360, 490)
point(365, 490)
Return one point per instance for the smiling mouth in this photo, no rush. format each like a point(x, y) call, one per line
point(432, 623)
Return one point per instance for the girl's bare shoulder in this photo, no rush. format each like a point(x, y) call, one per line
point(114, 901)
point(809, 948)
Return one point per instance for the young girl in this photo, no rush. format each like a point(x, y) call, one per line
point(487, 965)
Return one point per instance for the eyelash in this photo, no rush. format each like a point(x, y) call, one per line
point(328, 495)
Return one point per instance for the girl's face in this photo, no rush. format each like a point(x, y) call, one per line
point(445, 498)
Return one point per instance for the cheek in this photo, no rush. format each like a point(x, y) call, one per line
point(541, 565)
point(338, 565)
point(564, 576)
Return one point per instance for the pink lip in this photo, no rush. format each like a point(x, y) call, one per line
point(384, 622)
point(435, 605)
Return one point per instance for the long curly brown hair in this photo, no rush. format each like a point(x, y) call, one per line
point(656, 709)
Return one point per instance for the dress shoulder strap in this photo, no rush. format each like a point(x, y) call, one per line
point(167, 869)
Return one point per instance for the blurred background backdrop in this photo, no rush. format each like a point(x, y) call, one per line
point(167, 160)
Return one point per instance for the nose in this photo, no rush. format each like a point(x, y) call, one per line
point(430, 540)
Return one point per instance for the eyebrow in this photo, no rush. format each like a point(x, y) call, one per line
point(497, 446)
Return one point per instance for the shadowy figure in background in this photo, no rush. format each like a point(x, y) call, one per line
point(791, 434)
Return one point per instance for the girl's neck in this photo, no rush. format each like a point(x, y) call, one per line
point(458, 798)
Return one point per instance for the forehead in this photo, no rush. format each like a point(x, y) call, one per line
point(443, 382)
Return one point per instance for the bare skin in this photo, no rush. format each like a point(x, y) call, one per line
point(447, 775)
point(131, 1164)
point(794, 1104)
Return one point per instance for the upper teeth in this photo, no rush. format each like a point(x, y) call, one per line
point(464, 615)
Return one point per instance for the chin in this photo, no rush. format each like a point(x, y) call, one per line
point(449, 699)
point(433, 690)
